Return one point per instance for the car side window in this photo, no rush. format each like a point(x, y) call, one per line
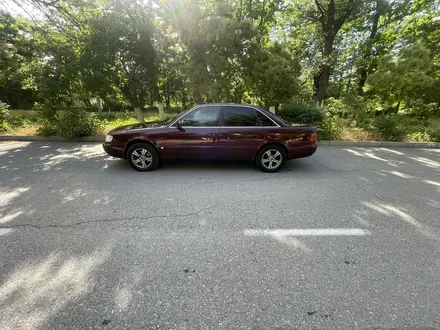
point(264, 120)
point(240, 116)
point(204, 116)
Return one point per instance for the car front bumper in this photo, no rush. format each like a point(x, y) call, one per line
point(113, 150)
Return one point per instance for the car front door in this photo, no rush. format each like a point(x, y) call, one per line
point(196, 137)
point(242, 132)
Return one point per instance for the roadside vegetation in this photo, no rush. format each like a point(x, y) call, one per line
point(358, 70)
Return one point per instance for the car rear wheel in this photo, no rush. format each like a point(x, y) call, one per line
point(271, 158)
point(143, 157)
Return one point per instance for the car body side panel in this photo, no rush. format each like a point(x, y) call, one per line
point(244, 142)
point(191, 143)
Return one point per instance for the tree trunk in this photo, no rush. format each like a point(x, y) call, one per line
point(332, 19)
point(366, 69)
point(396, 110)
point(183, 100)
point(324, 76)
point(140, 114)
point(99, 103)
point(167, 96)
point(197, 97)
point(161, 112)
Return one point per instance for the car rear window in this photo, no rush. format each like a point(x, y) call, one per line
point(264, 120)
point(240, 116)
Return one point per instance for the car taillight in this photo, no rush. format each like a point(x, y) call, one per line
point(313, 137)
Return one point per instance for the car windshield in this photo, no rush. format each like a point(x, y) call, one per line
point(169, 120)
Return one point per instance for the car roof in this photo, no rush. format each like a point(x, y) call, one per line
point(228, 104)
point(277, 119)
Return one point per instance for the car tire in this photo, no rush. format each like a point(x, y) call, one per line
point(143, 157)
point(271, 158)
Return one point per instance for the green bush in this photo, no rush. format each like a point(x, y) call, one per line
point(45, 110)
point(301, 113)
point(328, 127)
point(348, 106)
point(399, 127)
point(4, 116)
point(419, 137)
point(17, 120)
point(75, 124)
point(434, 134)
point(388, 128)
point(47, 128)
point(71, 124)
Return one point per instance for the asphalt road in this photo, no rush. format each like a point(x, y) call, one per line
point(346, 239)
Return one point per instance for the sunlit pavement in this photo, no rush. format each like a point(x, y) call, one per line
point(348, 238)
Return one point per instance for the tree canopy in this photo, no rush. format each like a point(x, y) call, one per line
point(140, 53)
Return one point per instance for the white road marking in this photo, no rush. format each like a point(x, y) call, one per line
point(4, 231)
point(307, 232)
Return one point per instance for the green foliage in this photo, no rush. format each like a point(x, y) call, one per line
point(406, 79)
point(329, 127)
point(399, 128)
point(359, 59)
point(47, 128)
point(347, 106)
point(10, 121)
point(434, 134)
point(272, 74)
point(389, 129)
point(71, 124)
point(419, 137)
point(4, 116)
point(301, 113)
point(327, 123)
point(45, 110)
point(117, 116)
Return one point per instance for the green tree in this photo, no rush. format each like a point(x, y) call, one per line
point(403, 79)
point(16, 52)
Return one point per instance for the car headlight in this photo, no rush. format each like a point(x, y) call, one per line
point(108, 138)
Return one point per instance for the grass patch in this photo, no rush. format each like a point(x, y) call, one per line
point(27, 130)
point(357, 134)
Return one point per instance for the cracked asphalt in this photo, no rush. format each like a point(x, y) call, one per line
point(88, 243)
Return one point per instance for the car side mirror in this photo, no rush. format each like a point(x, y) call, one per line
point(179, 125)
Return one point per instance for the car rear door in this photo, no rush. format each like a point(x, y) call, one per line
point(243, 129)
point(196, 138)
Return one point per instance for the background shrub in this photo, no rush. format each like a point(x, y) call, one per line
point(434, 134)
point(301, 113)
point(71, 124)
point(388, 129)
point(329, 127)
point(4, 116)
point(398, 127)
point(75, 124)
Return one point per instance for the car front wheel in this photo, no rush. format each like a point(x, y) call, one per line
point(271, 158)
point(143, 157)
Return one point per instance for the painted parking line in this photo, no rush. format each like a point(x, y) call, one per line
point(4, 231)
point(307, 232)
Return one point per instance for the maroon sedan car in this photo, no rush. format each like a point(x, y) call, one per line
point(213, 131)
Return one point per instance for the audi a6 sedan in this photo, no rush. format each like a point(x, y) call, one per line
point(213, 131)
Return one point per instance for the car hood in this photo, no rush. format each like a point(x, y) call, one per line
point(135, 126)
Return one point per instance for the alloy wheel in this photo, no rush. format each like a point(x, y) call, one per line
point(272, 159)
point(141, 158)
